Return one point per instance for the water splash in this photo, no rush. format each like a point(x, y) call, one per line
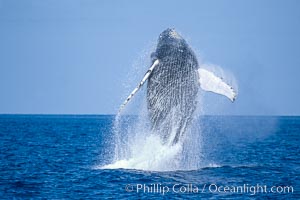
point(138, 147)
point(150, 154)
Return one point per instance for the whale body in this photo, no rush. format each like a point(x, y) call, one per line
point(174, 80)
point(173, 85)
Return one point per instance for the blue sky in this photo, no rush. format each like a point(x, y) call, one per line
point(73, 57)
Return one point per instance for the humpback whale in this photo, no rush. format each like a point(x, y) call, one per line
point(173, 83)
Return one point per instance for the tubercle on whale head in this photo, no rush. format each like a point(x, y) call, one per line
point(168, 41)
point(169, 37)
point(170, 33)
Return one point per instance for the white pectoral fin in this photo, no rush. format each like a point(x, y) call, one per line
point(146, 76)
point(212, 83)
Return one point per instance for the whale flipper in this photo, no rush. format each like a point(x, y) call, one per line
point(212, 83)
point(146, 76)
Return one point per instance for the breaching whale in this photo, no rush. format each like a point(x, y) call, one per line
point(174, 79)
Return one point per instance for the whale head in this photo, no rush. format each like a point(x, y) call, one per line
point(168, 35)
point(168, 41)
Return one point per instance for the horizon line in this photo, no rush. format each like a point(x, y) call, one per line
point(90, 114)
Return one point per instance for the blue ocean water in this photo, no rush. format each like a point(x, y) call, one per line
point(60, 157)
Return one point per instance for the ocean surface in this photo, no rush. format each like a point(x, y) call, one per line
point(64, 157)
